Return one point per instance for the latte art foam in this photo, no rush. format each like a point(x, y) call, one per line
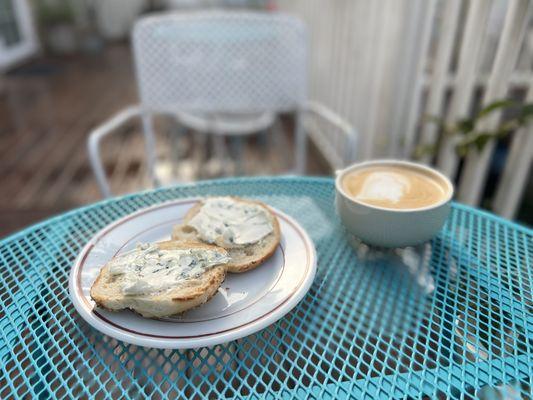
point(388, 186)
point(394, 187)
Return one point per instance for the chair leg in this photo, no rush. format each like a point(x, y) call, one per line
point(97, 165)
point(219, 164)
point(219, 146)
point(282, 148)
point(149, 141)
point(200, 150)
point(301, 145)
point(237, 156)
point(176, 137)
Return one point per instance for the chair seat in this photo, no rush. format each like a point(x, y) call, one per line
point(227, 123)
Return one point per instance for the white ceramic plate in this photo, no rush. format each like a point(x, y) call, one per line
point(245, 303)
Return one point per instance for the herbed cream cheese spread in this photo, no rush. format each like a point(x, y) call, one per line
point(230, 223)
point(149, 270)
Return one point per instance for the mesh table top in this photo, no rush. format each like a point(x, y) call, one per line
point(447, 319)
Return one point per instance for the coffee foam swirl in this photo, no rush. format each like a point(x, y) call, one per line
point(384, 185)
point(394, 187)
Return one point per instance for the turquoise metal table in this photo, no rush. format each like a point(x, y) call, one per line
point(448, 319)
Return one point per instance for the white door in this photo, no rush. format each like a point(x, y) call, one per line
point(17, 33)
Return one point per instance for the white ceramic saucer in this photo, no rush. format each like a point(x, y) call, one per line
point(245, 303)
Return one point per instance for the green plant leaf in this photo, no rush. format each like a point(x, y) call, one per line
point(526, 112)
point(481, 140)
point(495, 105)
point(465, 125)
point(475, 139)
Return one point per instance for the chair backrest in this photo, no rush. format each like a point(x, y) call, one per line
point(221, 61)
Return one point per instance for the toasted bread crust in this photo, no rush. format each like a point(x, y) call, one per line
point(236, 266)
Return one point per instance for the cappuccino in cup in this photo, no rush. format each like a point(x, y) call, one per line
point(392, 203)
point(395, 187)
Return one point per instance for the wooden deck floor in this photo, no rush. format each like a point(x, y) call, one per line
point(47, 109)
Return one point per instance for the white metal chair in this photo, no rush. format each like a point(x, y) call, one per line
point(224, 73)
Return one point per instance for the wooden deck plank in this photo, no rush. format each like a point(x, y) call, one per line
point(88, 114)
point(39, 161)
point(55, 162)
point(13, 147)
point(113, 102)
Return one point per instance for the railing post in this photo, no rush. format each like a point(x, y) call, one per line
point(516, 172)
point(478, 12)
point(441, 65)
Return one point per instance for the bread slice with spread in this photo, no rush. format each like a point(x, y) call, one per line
point(247, 229)
point(161, 279)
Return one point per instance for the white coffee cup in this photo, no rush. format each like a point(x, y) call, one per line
point(388, 227)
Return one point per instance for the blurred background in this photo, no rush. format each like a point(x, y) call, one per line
point(445, 82)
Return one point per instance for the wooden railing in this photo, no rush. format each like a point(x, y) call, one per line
point(386, 64)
